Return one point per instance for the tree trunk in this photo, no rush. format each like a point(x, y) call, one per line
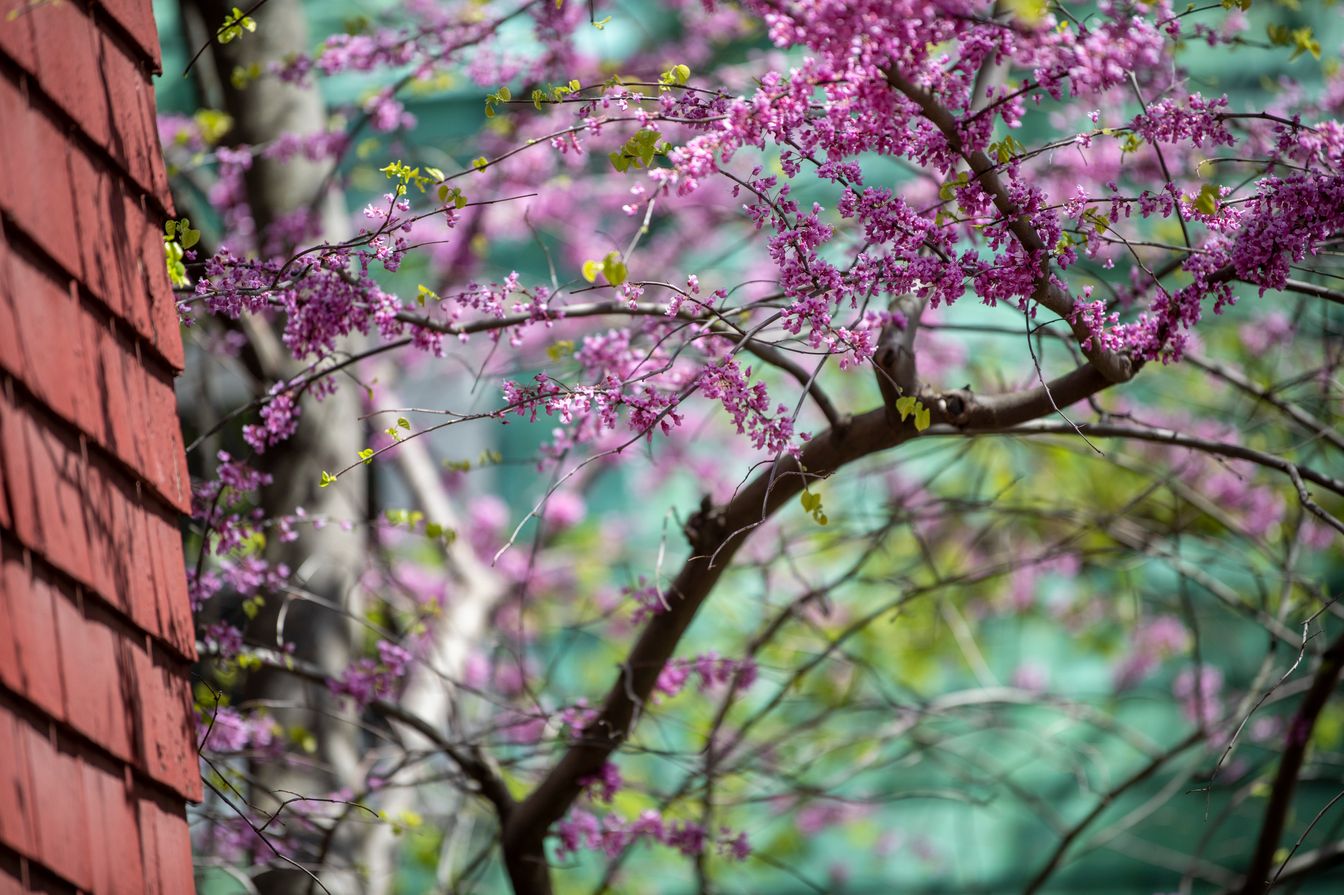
point(325, 562)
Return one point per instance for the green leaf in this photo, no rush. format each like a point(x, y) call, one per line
point(213, 124)
point(404, 423)
point(948, 191)
point(811, 502)
point(639, 150)
point(1207, 200)
point(235, 24)
point(1097, 220)
point(921, 418)
point(424, 293)
point(480, 163)
point(675, 76)
point(242, 76)
point(613, 268)
point(591, 269)
point(177, 271)
point(1028, 11)
point(909, 405)
point(327, 479)
point(366, 455)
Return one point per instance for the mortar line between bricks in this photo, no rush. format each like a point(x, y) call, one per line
point(45, 104)
point(19, 706)
point(26, 397)
point(21, 241)
point(65, 580)
point(108, 23)
point(40, 876)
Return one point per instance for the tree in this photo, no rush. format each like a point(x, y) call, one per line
point(676, 267)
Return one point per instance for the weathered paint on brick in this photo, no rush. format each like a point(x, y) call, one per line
point(97, 737)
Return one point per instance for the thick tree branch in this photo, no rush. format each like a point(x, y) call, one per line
point(716, 533)
point(1323, 684)
point(894, 359)
point(1113, 366)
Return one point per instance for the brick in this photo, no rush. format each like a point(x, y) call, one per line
point(58, 480)
point(16, 34)
point(29, 664)
point(11, 347)
point(140, 602)
point(57, 505)
point(116, 379)
point(118, 867)
point(110, 227)
point(8, 348)
point(80, 213)
point(17, 829)
point(94, 675)
point(105, 383)
point(42, 313)
point(5, 520)
point(24, 489)
point(137, 18)
point(94, 380)
point(87, 520)
point(33, 186)
point(144, 243)
point(121, 251)
point(61, 821)
point(166, 846)
point(105, 88)
point(167, 464)
point(120, 697)
point(129, 96)
point(167, 733)
point(68, 67)
point(107, 516)
point(175, 623)
point(20, 493)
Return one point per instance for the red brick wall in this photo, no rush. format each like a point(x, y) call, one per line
point(96, 744)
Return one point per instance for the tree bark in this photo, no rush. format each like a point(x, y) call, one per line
point(326, 562)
